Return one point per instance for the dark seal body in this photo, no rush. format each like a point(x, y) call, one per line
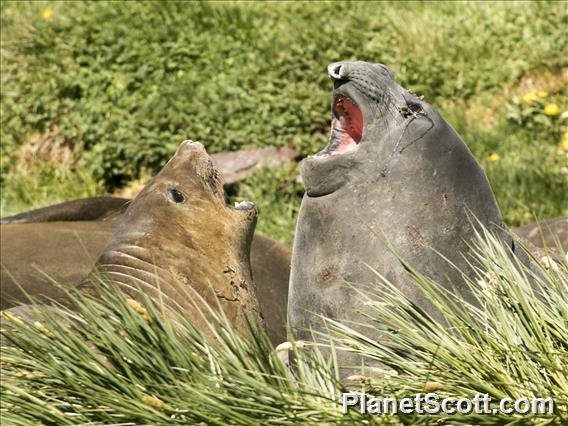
point(93, 208)
point(36, 254)
point(550, 235)
point(394, 172)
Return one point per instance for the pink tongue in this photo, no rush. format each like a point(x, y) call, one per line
point(349, 126)
point(345, 140)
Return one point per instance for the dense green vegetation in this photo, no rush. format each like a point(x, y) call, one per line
point(110, 89)
point(116, 361)
point(97, 94)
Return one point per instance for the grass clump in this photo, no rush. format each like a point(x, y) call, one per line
point(119, 362)
point(46, 183)
point(127, 81)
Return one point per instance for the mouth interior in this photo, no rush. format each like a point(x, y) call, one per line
point(216, 182)
point(347, 127)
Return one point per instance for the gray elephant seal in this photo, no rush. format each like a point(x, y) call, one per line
point(394, 171)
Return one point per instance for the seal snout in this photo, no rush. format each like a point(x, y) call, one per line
point(189, 149)
point(338, 70)
point(191, 145)
point(245, 210)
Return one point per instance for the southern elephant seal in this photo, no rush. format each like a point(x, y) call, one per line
point(179, 239)
point(34, 254)
point(179, 236)
point(394, 171)
point(546, 234)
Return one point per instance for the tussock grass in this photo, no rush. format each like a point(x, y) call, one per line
point(115, 362)
point(126, 82)
point(511, 343)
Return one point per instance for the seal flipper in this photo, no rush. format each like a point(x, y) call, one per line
point(85, 209)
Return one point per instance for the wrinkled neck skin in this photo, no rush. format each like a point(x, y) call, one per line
point(187, 258)
point(411, 183)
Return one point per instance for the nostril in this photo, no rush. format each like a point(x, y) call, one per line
point(334, 70)
point(194, 145)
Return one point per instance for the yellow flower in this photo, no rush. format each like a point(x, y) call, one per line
point(47, 13)
point(564, 143)
point(493, 157)
point(552, 110)
point(530, 97)
point(138, 308)
point(542, 94)
point(152, 401)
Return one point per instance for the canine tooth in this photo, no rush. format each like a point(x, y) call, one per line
point(244, 205)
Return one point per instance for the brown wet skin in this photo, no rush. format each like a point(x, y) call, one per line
point(179, 235)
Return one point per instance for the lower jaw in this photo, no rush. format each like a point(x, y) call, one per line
point(325, 174)
point(339, 145)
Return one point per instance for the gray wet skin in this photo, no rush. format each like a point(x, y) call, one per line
point(409, 181)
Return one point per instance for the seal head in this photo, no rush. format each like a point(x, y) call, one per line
point(373, 119)
point(179, 235)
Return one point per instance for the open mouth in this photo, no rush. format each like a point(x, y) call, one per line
point(347, 126)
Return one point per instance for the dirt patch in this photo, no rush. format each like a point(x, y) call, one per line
point(552, 83)
point(486, 111)
point(49, 147)
point(132, 189)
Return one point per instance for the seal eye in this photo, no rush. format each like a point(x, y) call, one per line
point(176, 196)
point(415, 108)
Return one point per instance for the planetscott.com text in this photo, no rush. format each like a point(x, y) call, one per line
point(432, 403)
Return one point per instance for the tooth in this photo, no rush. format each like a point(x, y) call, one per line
point(244, 205)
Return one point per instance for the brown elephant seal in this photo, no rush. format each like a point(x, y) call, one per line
point(178, 239)
point(35, 255)
point(179, 236)
point(394, 172)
